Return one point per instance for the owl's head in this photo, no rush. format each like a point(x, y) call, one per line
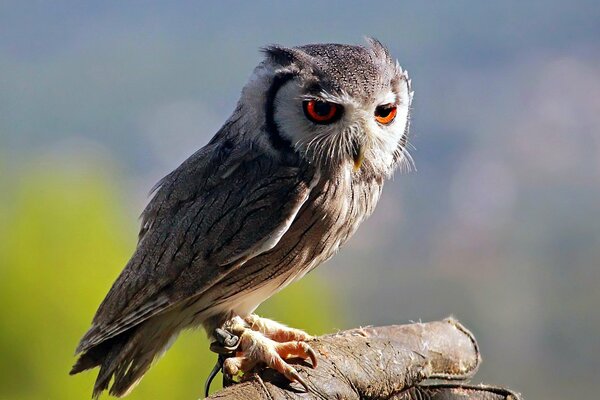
point(337, 106)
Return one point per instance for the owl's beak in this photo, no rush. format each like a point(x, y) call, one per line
point(358, 156)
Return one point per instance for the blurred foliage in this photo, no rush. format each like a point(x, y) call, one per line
point(63, 239)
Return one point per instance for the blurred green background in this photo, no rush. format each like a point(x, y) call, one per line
point(499, 226)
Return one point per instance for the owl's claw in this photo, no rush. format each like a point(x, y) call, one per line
point(245, 343)
point(256, 349)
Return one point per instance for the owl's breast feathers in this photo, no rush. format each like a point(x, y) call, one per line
point(336, 206)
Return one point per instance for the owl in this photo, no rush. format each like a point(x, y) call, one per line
point(281, 186)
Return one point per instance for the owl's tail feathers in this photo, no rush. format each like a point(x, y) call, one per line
point(124, 359)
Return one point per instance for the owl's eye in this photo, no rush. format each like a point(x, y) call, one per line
point(385, 114)
point(321, 112)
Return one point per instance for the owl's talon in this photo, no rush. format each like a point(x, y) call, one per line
point(294, 376)
point(255, 347)
point(242, 344)
point(289, 372)
point(310, 353)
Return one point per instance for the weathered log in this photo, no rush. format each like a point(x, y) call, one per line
point(392, 362)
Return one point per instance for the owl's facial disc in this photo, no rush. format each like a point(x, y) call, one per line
point(341, 130)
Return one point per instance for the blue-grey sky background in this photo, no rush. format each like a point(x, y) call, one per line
point(499, 225)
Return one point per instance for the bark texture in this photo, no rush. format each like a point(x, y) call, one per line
point(389, 362)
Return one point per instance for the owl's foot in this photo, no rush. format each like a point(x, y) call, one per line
point(266, 342)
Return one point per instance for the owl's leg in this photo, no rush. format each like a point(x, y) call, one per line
point(268, 343)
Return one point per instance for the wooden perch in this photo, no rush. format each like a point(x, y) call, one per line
point(380, 363)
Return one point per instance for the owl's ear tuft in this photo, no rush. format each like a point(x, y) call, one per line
point(378, 48)
point(280, 55)
point(286, 56)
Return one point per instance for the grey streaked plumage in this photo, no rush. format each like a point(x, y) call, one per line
point(271, 196)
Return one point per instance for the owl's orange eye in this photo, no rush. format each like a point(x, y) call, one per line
point(385, 114)
point(321, 112)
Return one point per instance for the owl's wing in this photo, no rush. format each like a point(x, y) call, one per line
point(221, 207)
